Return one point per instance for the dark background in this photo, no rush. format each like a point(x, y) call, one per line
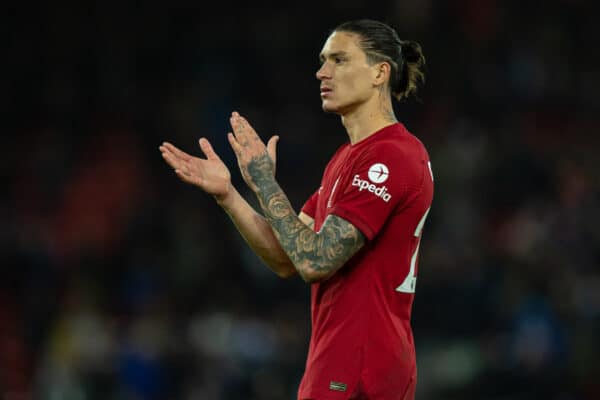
point(118, 281)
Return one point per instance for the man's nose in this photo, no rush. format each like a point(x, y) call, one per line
point(322, 72)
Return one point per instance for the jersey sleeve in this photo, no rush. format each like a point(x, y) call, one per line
point(310, 207)
point(382, 180)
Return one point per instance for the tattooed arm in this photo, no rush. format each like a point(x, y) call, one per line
point(315, 255)
point(258, 234)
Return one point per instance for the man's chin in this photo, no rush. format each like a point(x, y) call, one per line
point(329, 108)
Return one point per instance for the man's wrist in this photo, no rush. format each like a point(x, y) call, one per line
point(226, 200)
point(265, 186)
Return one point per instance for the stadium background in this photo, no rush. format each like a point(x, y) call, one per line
point(120, 282)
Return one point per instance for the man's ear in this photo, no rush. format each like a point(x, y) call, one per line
point(382, 73)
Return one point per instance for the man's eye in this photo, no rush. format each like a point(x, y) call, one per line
point(338, 60)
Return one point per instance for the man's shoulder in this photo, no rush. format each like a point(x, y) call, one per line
point(399, 145)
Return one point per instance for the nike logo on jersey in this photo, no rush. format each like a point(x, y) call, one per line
point(379, 191)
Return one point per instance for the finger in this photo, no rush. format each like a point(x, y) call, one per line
point(178, 153)
point(235, 145)
point(247, 128)
point(185, 167)
point(167, 152)
point(171, 160)
point(178, 165)
point(238, 132)
point(208, 150)
point(241, 128)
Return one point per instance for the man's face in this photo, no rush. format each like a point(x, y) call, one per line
point(345, 75)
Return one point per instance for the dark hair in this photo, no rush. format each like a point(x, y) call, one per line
point(380, 42)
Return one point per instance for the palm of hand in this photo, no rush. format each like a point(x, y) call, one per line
point(210, 174)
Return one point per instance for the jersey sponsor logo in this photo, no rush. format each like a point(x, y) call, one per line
point(378, 173)
point(379, 191)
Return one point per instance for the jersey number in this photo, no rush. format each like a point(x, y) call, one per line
point(408, 286)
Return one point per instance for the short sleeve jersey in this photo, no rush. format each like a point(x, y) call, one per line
point(361, 340)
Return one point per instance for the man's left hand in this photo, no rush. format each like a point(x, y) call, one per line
point(256, 161)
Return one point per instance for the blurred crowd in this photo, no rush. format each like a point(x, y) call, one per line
point(118, 281)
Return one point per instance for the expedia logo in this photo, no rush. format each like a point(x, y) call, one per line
point(378, 173)
point(364, 184)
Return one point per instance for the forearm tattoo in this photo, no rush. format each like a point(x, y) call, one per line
point(313, 254)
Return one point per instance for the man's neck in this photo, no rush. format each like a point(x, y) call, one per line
point(365, 121)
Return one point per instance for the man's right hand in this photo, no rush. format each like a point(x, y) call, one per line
point(210, 174)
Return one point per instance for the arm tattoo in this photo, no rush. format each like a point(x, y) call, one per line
point(313, 254)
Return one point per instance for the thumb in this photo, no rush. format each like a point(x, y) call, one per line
point(272, 148)
point(207, 149)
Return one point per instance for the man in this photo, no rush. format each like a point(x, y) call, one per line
point(356, 239)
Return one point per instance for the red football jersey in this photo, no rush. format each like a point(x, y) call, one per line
point(361, 342)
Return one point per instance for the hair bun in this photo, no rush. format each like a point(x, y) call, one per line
point(411, 51)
